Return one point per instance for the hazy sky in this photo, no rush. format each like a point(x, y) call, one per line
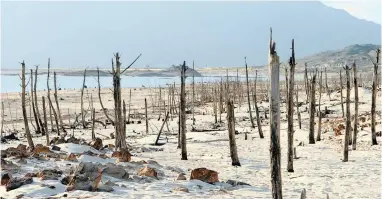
point(363, 9)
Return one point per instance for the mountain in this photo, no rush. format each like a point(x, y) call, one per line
point(86, 34)
point(362, 54)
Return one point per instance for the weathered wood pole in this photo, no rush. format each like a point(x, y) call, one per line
point(348, 124)
point(82, 102)
point(146, 118)
point(319, 109)
point(312, 109)
point(38, 129)
point(307, 84)
point(23, 105)
point(183, 111)
point(248, 96)
point(373, 98)
point(124, 118)
point(100, 99)
point(342, 97)
point(193, 94)
point(290, 86)
point(51, 118)
point(128, 115)
point(36, 103)
point(215, 105)
point(274, 109)
point(161, 128)
point(257, 110)
point(93, 118)
point(326, 85)
point(298, 109)
point(45, 121)
point(57, 104)
point(356, 99)
point(221, 100)
point(231, 134)
point(50, 101)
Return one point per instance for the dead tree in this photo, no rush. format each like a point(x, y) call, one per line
point(45, 121)
point(319, 109)
point(51, 118)
point(307, 84)
point(120, 136)
point(221, 100)
point(92, 116)
point(193, 95)
point(23, 105)
point(38, 129)
point(298, 109)
point(36, 103)
point(82, 102)
point(100, 100)
point(128, 115)
point(290, 86)
point(183, 111)
point(231, 134)
point(274, 109)
point(215, 105)
point(50, 101)
point(348, 124)
point(2, 118)
point(161, 128)
point(124, 118)
point(342, 97)
point(326, 85)
point(373, 98)
point(355, 129)
point(146, 118)
point(312, 109)
point(57, 104)
point(248, 96)
point(257, 109)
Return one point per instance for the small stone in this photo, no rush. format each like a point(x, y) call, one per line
point(56, 148)
point(181, 177)
point(183, 189)
point(147, 171)
point(22, 147)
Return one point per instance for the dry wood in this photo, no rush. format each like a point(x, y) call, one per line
point(161, 128)
point(50, 101)
point(82, 102)
point(23, 105)
point(36, 103)
point(290, 86)
point(348, 124)
point(45, 121)
point(257, 109)
point(298, 108)
point(193, 95)
point(183, 111)
point(38, 129)
point(231, 134)
point(342, 97)
point(146, 118)
point(319, 109)
point(57, 104)
point(248, 96)
point(100, 99)
point(373, 98)
point(2, 118)
point(356, 99)
point(274, 108)
point(312, 109)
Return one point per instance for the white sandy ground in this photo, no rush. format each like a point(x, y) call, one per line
point(319, 169)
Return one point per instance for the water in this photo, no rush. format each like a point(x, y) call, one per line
point(11, 83)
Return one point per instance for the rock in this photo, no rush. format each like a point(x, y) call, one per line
point(116, 172)
point(110, 183)
point(204, 175)
point(59, 141)
point(5, 178)
point(73, 140)
point(147, 171)
point(97, 143)
point(56, 148)
point(49, 174)
point(105, 188)
point(18, 182)
point(123, 155)
point(11, 151)
point(236, 183)
point(41, 149)
point(22, 161)
point(103, 156)
point(181, 177)
point(183, 189)
point(30, 175)
point(53, 140)
point(22, 147)
point(112, 135)
point(72, 158)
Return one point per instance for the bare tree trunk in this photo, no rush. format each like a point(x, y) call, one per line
point(319, 109)
point(257, 109)
point(51, 118)
point(298, 109)
point(193, 95)
point(221, 101)
point(36, 103)
point(120, 139)
point(38, 129)
point(100, 100)
point(326, 85)
point(248, 96)
point(57, 104)
point(342, 97)
point(45, 121)
point(25, 116)
point(231, 133)
point(124, 118)
point(2, 118)
point(286, 88)
point(128, 116)
point(348, 124)
point(312, 108)
point(147, 119)
point(161, 128)
point(183, 111)
point(292, 65)
point(307, 85)
point(355, 129)
point(93, 117)
point(50, 101)
point(215, 105)
point(274, 107)
point(82, 102)
point(373, 98)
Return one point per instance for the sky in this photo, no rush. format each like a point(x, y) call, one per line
point(364, 9)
